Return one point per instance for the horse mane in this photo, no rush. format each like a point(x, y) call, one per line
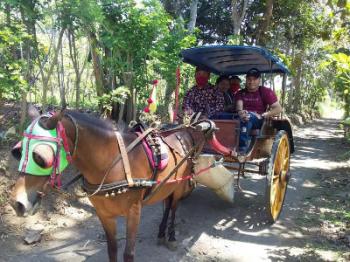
point(93, 123)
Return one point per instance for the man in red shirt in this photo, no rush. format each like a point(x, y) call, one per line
point(254, 103)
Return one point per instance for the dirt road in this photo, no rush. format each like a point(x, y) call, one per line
point(208, 228)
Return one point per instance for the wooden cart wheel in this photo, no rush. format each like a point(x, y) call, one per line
point(277, 175)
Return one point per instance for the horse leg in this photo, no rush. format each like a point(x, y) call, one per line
point(163, 224)
point(178, 194)
point(172, 243)
point(109, 226)
point(132, 221)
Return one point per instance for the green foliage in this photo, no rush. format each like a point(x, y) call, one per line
point(235, 39)
point(167, 55)
point(12, 65)
point(340, 63)
point(214, 21)
point(118, 95)
point(142, 39)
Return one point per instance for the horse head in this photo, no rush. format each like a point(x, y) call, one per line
point(37, 154)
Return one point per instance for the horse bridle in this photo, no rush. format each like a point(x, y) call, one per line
point(60, 140)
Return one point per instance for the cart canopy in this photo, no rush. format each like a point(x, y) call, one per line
point(233, 59)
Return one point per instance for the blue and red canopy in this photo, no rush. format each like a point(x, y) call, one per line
point(233, 59)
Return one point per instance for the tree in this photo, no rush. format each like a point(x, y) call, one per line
point(239, 9)
point(261, 36)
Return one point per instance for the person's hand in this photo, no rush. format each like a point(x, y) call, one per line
point(244, 115)
point(258, 115)
point(265, 115)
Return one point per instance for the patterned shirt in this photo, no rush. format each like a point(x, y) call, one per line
point(207, 100)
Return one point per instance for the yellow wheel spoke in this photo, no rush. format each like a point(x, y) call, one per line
point(278, 176)
point(275, 176)
point(285, 164)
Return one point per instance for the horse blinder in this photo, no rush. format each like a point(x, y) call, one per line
point(43, 155)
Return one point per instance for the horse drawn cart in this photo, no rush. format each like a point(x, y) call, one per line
point(124, 170)
point(271, 146)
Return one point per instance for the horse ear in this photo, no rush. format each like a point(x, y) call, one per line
point(51, 123)
point(33, 113)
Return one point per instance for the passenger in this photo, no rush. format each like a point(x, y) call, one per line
point(223, 84)
point(235, 84)
point(203, 97)
point(252, 104)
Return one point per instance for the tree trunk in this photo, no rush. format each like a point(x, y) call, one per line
point(59, 80)
point(193, 16)
point(46, 78)
point(23, 116)
point(129, 105)
point(98, 70)
point(8, 14)
point(173, 7)
point(62, 83)
point(284, 85)
point(297, 101)
point(239, 9)
point(76, 65)
point(261, 36)
point(26, 54)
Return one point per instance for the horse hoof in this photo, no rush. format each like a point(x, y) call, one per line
point(161, 241)
point(171, 245)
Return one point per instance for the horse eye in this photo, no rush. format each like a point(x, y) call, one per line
point(43, 155)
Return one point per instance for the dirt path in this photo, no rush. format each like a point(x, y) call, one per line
point(311, 226)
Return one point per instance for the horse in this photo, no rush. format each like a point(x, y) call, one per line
point(115, 185)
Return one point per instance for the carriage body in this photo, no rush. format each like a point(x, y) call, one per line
point(271, 145)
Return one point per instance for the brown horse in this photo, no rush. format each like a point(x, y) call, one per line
point(115, 188)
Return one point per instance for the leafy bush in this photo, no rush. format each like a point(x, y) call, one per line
point(118, 95)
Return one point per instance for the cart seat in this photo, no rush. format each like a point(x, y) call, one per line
point(227, 134)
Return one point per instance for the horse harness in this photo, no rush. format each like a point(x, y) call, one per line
point(152, 137)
